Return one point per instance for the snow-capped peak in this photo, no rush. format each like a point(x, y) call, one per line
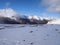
point(33, 17)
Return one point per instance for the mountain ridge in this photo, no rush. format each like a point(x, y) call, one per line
point(11, 16)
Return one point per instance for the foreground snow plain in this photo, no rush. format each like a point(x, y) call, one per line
point(48, 34)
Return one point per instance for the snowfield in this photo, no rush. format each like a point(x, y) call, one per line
point(48, 34)
point(55, 21)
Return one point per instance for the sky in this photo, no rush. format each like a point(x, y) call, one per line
point(45, 8)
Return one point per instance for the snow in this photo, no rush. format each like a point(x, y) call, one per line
point(33, 17)
point(48, 34)
point(55, 21)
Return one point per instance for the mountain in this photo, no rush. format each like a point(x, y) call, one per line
point(33, 17)
point(9, 16)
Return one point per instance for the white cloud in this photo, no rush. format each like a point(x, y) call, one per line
point(52, 5)
point(7, 12)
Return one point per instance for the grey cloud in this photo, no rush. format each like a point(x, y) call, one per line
point(52, 5)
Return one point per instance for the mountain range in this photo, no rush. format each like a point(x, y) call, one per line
point(9, 16)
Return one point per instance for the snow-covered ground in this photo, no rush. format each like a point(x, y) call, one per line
point(48, 34)
point(55, 21)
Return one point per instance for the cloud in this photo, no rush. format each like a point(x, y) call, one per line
point(52, 5)
point(7, 12)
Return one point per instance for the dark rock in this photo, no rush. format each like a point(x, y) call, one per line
point(2, 28)
point(31, 31)
point(6, 20)
point(31, 43)
point(23, 40)
point(56, 29)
